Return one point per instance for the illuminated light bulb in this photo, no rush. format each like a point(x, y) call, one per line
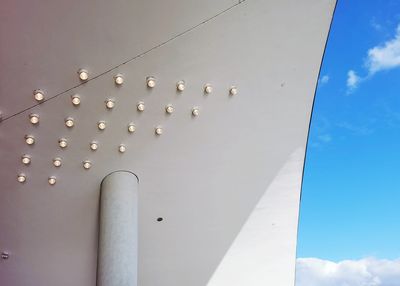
point(158, 130)
point(21, 178)
point(26, 159)
point(110, 103)
point(76, 100)
point(69, 122)
point(63, 143)
point(29, 139)
point(169, 109)
point(131, 128)
point(94, 145)
point(208, 88)
point(38, 95)
point(57, 162)
point(87, 165)
point(122, 148)
point(119, 79)
point(83, 74)
point(140, 106)
point(180, 85)
point(195, 111)
point(233, 90)
point(34, 118)
point(101, 125)
point(52, 180)
point(151, 81)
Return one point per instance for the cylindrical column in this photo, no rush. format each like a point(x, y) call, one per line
point(118, 236)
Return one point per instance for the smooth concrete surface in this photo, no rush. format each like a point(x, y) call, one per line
point(118, 234)
point(45, 43)
point(203, 176)
point(270, 231)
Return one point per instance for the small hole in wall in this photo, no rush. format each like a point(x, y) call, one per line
point(160, 219)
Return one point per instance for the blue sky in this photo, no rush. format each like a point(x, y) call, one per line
point(350, 206)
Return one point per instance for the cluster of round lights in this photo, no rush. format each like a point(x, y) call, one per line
point(69, 122)
point(87, 164)
point(94, 145)
point(158, 130)
point(208, 88)
point(121, 148)
point(34, 118)
point(140, 106)
point(169, 109)
point(57, 162)
point(30, 139)
point(52, 180)
point(101, 125)
point(26, 159)
point(195, 111)
point(131, 128)
point(83, 75)
point(233, 90)
point(110, 103)
point(118, 79)
point(180, 85)
point(21, 178)
point(62, 142)
point(39, 96)
point(151, 82)
point(76, 100)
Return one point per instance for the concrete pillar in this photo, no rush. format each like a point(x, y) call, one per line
point(118, 235)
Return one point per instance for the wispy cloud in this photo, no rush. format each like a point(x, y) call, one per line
point(325, 138)
point(384, 56)
point(324, 79)
point(356, 129)
point(364, 272)
point(375, 25)
point(353, 80)
point(321, 132)
point(388, 115)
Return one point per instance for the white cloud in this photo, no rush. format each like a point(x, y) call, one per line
point(375, 25)
point(364, 272)
point(352, 80)
point(385, 56)
point(325, 138)
point(324, 79)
